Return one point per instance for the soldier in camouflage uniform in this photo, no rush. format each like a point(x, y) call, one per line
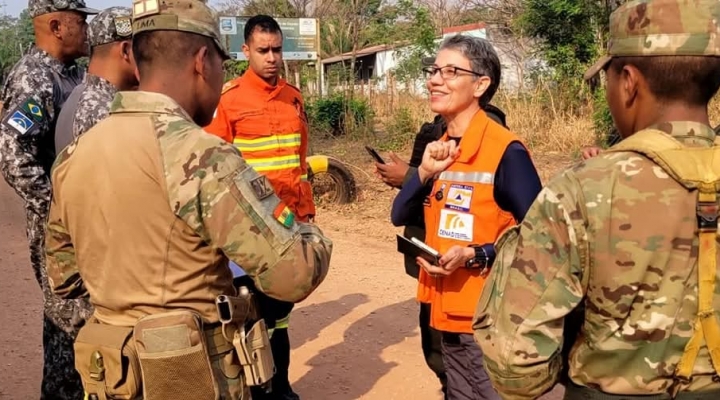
point(147, 209)
point(628, 237)
point(111, 68)
point(33, 94)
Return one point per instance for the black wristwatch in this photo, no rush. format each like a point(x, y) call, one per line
point(480, 260)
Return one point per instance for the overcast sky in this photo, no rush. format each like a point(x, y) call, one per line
point(14, 7)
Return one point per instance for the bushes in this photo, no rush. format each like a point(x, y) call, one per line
point(603, 124)
point(330, 115)
point(400, 129)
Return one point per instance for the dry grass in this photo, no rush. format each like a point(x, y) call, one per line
point(554, 136)
point(539, 118)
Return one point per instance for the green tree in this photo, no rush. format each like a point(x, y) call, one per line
point(568, 46)
point(17, 36)
point(571, 46)
point(420, 34)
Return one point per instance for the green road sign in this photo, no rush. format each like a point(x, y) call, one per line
point(300, 37)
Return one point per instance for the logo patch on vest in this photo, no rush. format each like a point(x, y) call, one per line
point(459, 197)
point(454, 225)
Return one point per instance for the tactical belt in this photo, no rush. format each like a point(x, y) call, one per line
point(575, 392)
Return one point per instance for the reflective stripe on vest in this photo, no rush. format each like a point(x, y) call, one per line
point(487, 178)
point(262, 163)
point(274, 163)
point(272, 142)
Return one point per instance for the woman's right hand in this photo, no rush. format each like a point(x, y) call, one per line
point(438, 156)
point(590, 152)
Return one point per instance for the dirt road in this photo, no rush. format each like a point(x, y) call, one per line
point(356, 337)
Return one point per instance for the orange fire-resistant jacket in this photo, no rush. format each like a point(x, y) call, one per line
point(268, 125)
point(465, 214)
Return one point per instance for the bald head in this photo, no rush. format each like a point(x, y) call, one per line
point(62, 34)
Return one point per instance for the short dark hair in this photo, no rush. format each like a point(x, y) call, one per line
point(483, 60)
point(690, 79)
point(263, 23)
point(101, 50)
point(167, 48)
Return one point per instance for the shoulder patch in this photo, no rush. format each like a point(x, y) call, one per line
point(228, 85)
point(262, 187)
point(19, 121)
point(33, 109)
point(283, 215)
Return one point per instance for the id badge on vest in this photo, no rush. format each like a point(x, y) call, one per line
point(453, 201)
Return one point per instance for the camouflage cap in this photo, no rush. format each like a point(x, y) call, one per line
point(40, 7)
point(110, 25)
point(662, 28)
point(192, 16)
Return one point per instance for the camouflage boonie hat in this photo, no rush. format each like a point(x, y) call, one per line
point(662, 28)
point(41, 7)
point(110, 25)
point(192, 16)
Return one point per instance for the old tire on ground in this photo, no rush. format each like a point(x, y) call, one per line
point(331, 180)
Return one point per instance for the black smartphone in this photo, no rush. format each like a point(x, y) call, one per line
point(374, 154)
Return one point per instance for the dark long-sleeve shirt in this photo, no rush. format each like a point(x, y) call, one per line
point(516, 185)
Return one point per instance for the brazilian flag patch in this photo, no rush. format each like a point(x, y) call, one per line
point(33, 109)
point(284, 215)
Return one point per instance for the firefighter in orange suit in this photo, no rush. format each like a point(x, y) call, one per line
point(472, 184)
point(264, 117)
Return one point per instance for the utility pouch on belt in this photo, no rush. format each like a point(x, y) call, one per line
point(107, 362)
point(174, 357)
point(248, 334)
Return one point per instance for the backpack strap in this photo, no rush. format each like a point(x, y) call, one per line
point(706, 324)
point(696, 169)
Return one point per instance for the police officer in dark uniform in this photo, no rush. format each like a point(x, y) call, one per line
point(30, 101)
point(111, 69)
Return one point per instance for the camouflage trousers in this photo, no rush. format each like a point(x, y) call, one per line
point(61, 321)
point(229, 376)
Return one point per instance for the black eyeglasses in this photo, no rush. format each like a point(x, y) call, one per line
point(447, 72)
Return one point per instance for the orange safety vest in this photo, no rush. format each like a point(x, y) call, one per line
point(269, 126)
point(465, 214)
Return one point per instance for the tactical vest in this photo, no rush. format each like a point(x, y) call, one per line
point(63, 85)
point(65, 120)
point(696, 169)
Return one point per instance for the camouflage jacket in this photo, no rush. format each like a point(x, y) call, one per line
point(617, 235)
point(147, 220)
point(34, 91)
point(88, 103)
point(94, 103)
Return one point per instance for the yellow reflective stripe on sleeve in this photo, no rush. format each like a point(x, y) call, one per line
point(283, 323)
point(268, 142)
point(274, 163)
point(303, 177)
point(706, 327)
